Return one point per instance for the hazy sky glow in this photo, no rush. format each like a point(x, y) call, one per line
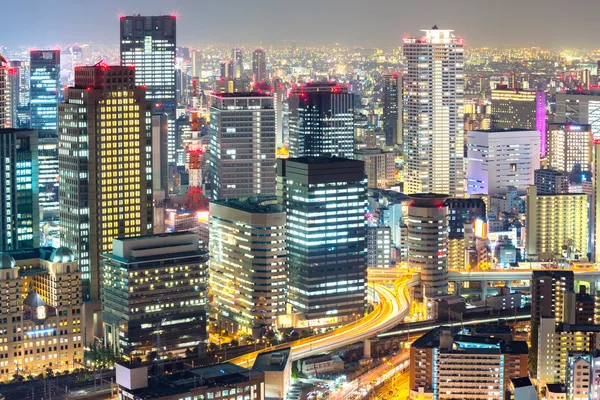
point(549, 23)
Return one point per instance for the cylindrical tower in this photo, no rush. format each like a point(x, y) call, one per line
point(428, 241)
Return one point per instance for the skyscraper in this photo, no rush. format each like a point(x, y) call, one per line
point(3, 91)
point(247, 267)
point(44, 83)
point(148, 44)
point(242, 145)
point(321, 121)
point(575, 107)
point(105, 165)
point(19, 209)
point(259, 66)
point(325, 199)
point(238, 63)
point(44, 92)
point(227, 69)
point(392, 109)
point(433, 124)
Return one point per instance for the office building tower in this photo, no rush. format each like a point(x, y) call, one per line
point(392, 109)
point(170, 307)
point(23, 114)
point(549, 181)
point(433, 114)
point(19, 209)
point(227, 69)
point(4, 93)
point(427, 223)
point(570, 147)
point(379, 246)
point(41, 299)
point(197, 63)
point(464, 215)
point(259, 66)
point(595, 207)
point(48, 175)
point(148, 44)
point(498, 159)
point(247, 267)
point(238, 63)
point(445, 365)
point(519, 109)
point(160, 158)
point(105, 165)
point(578, 107)
point(380, 167)
point(557, 225)
point(325, 199)
point(279, 97)
point(242, 145)
point(44, 83)
point(321, 121)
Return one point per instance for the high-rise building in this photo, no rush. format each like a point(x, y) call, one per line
point(247, 267)
point(4, 118)
point(19, 207)
point(557, 225)
point(242, 145)
point(462, 213)
point(44, 83)
point(324, 199)
point(105, 165)
point(595, 208)
point(576, 107)
point(196, 63)
point(549, 181)
point(379, 246)
point(42, 321)
point(427, 223)
point(321, 121)
point(570, 147)
point(171, 307)
point(433, 113)
point(44, 93)
point(392, 109)
point(227, 69)
point(444, 365)
point(9, 94)
point(520, 109)
point(238, 63)
point(148, 44)
point(259, 66)
point(498, 159)
point(380, 167)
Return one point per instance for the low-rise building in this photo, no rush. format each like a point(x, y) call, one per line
point(277, 367)
point(224, 381)
point(556, 391)
point(321, 364)
point(504, 300)
point(40, 317)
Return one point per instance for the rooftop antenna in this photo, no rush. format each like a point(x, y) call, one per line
point(435, 27)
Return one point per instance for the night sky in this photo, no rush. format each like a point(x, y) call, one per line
point(549, 23)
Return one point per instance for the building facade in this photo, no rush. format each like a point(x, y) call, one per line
point(325, 200)
point(148, 44)
point(433, 113)
point(242, 145)
point(557, 225)
point(379, 247)
point(392, 109)
point(44, 88)
point(40, 317)
point(154, 295)
point(105, 165)
point(427, 239)
point(576, 107)
point(19, 210)
point(380, 167)
point(570, 147)
point(519, 109)
point(247, 268)
point(498, 159)
point(321, 121)
point(259, 66)
point(549, 181)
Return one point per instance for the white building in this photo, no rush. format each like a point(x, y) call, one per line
point(498, 159)
point(433, 113)
point(379, 246)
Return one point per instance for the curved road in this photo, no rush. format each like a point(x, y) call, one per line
point(392, 308)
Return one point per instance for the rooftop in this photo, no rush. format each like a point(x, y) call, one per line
point(521, 382)
point(266, 205)
point(556, 388)
point(275, 360)
point(496, 130)
point(321, 160)
point(240, 95)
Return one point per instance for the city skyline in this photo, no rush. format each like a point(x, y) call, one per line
point(383, 23)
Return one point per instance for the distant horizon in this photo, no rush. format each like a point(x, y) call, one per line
point(549, 24)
